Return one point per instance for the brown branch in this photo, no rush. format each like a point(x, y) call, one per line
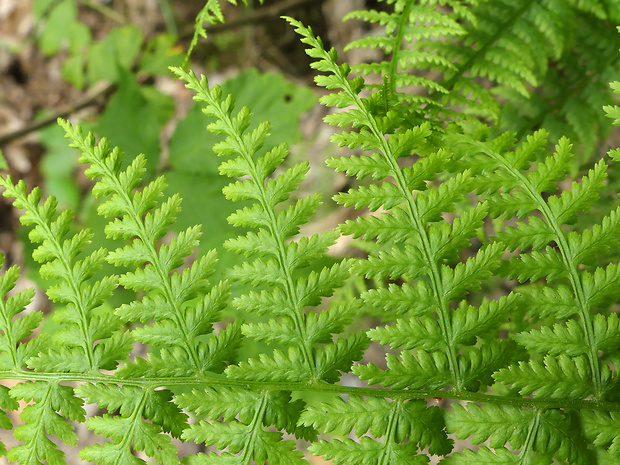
point(63, 113)
point(258, 15)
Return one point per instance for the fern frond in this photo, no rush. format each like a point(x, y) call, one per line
point(180, 319)
point(412, 216)
point(81, 344)
point(42, 419)
point(563, 262)
point(396, 421)
point(276, 225)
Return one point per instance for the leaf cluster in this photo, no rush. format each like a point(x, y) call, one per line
point(490, 286)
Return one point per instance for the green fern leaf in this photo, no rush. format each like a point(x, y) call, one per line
point(470, 322)
point(427, 330)
point(483, 456)
point(501, 424)
point(424, 370)
point(561, 338)
point(601, 428)
point(41, 419)
point(555, 377)
point(366, 452)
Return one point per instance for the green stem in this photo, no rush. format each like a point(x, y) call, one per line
point(524, 455)
point(384, 457)
point(257, 423)
point(214, 380)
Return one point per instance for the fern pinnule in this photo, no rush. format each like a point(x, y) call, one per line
point(16, 324)
point(211, 14)
point(540, 435)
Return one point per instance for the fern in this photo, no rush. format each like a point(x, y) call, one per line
point(488, 277)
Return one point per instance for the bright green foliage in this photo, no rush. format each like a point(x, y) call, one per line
point(91, 337)
point(89, 61)
point(489, 266)
point(483, 49)
point(211, 13)
point(177, 304)
point(281, 264)
point(42, 418)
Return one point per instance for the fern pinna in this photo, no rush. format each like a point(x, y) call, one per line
point(530, 376)
point(574, 350)
point(311, 356)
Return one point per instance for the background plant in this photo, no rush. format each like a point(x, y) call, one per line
point(458, 207)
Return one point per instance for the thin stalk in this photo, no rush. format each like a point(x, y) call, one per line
point(386, 393)
point(257, 422)
point(524, 455)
